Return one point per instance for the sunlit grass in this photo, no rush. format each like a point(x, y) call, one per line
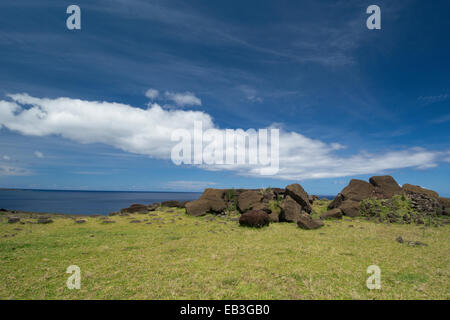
point(183, 257)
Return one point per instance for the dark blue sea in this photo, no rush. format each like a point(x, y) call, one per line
point(83, 202)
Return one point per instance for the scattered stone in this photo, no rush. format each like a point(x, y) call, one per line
point(44, 221)
point(254, 218)
point(306, 222)
point(399, 239)
point(417, 243)
point(108, 221)
point(135, 221)
point(170, 204)
point(13, 219)
point(81, 221)
point(136, 208)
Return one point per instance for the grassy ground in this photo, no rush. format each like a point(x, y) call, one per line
point(183, 257)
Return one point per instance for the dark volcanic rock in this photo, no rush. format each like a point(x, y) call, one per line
point(350, 208)
point(298, 194)
point(170, 204)
point(337, 201)
point(290, 210)
point(409, 188)
point(248, 199)
point(422, 203)
point(306, 222)
point(44, 220)
point(255, 219)
point(203, 206)
point(335, 213)
point(385, 186)
point(358, 190)
point(81, 221)
point(135, 208)
point(13, 219)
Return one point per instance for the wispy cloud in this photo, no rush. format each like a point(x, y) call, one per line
point(428, 100)
point(442, 119)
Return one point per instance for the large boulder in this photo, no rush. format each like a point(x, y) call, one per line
point(335, 213)
point(210, 201)
point(290, 210)
point(255, 219)
point(248, 199)
point(213, 194)
point(385, 186)
point(44, 220)
point(135, 208)
point(350, 208)
point(306, 222)
point(171, 204)
point(296, 192)
point(356, 190)
point(409, 188)
point(337, 201)
point(201, 207)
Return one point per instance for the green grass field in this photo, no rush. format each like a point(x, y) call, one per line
point(183, 257)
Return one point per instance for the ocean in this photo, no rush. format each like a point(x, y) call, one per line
point(83, 202)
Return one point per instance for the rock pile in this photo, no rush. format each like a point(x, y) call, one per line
point(275, 204)
point(418, 204)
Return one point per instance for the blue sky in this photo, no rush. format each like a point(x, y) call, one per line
point(310, 68)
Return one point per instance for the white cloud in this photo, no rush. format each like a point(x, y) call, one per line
point(152, 93)
point(148, 132)
point(183, 99)
point(7, 158)
point(6, 170)
point(250, 93)
point(39, 154)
